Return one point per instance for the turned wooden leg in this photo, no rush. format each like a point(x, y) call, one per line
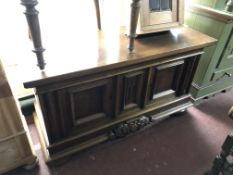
point(97, 9)
point(34, 27)
point(220, 160)
point(135, 7)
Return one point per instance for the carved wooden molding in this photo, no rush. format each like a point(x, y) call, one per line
point(34, 27)
point(129, 127)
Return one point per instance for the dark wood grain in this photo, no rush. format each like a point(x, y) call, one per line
point(177, 41)
point(132, 90)
point(166, 78)
point(79, 108)
point(188, 75)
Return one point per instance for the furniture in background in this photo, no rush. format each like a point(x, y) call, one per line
point(215, 70)
point(215, 4)
point(150, 16)
point(223, 162)
point(15, 144)
point(107, 92)
point(160, 15)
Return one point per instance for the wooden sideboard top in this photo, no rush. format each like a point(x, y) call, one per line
point(104, 51)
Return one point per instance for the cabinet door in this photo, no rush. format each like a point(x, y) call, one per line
point(165, 79)
point(226, 60)
point(159, 11)
point(91, 102)
point(77, 109)
point(172, 79)
point(130, 91)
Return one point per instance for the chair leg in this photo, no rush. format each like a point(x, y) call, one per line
point(220, 160)
point(217, 165)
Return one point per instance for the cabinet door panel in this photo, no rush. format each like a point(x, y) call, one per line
point(226, 60)
point(166, 79)
point(130, 91)
point(91, 101)
point(77, 109)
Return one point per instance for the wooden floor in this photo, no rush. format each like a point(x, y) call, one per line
point(182, 145)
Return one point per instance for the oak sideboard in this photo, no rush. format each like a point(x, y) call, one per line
point(107, 92)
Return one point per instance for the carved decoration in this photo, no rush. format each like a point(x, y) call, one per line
point(126, 128)
point(34, 27)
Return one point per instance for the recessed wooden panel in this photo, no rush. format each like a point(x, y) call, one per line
point(166, 79)
point(91, 101)
point(226, 59)
point(131, 90)
point(69, 109)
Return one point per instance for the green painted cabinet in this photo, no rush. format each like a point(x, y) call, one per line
point(215, 70)
point(216, 4)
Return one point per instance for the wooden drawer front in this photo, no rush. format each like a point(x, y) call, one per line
point(227, 56)
point(222, 75)
point(130, 91)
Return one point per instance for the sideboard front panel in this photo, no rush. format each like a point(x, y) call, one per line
point(79, 111)
point(92, 101)
point(130, 91)
point(166, 79)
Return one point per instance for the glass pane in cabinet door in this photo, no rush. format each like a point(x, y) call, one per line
point(166, 4)
point(155, 5)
